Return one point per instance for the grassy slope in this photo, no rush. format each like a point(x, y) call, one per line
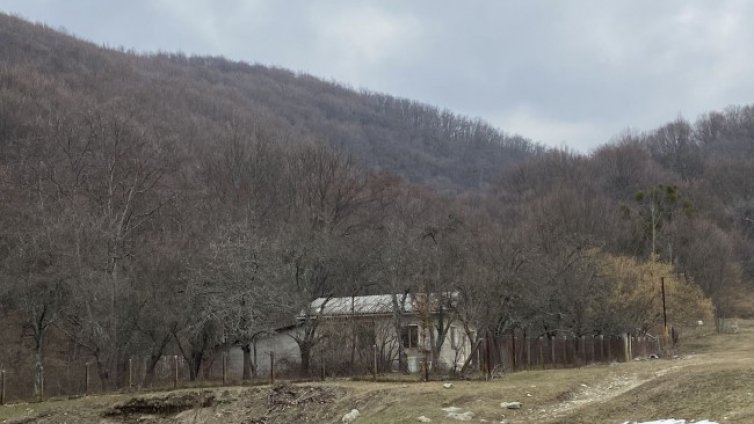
point(714, 380)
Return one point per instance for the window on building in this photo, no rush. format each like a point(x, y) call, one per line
point(410, 336)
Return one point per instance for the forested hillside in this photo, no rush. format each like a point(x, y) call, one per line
point(193, 101)
point(163, 204)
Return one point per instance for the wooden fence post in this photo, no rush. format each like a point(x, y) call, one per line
point(553, 341)
point(575, 350)
point(527, 342)
point(513, 338)
point(374, 363)
point(272, 368)
point(175, 371)
point(609, 349)
point(488, 356)
point(130, 373)
point(225, 368)
point(541, 344)
point(634, 346)
point(86, 379)
point(2, 387)
point(602, 348)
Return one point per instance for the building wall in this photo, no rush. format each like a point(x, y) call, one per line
point(337, 348)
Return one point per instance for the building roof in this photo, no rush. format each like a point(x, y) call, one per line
point(359, 305)
point(381, 304)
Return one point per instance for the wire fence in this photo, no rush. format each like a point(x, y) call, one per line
point(491, 356)
point(512, 352)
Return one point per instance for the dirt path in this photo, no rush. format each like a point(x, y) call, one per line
point(616, 384)
point(620, 380)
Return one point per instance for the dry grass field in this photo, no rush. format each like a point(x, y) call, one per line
point(713, 378)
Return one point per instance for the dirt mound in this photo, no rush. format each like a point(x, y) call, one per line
point(285, 396)
point(164, 405)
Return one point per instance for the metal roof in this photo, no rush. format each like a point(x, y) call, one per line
point(359, 305)
point(379, 304)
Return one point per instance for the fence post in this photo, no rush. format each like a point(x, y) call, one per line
point(130, 373)
point(175, 371)
point(602, 348)
point(541, 344)
point(609, 349)
point(513, 362)
point(634, 345)
point(565, 351)
point(488, 357)
point(574, 350)
point(272, 368)
point(2, 387)
point(527, 341)
point(86, 379)
point(374, 363)
point(225, 368)
point(553, 342)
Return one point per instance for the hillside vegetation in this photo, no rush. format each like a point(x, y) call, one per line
point(159, 205)
point(194, 101)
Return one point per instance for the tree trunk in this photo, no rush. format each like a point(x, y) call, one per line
point(103, 371)
point(254, 369)
point(39, 371)
point(402, 356)
point(397, 325)
point(151, 366)
point(195, 365)
point(248, 366)
point(436, 348)
point(306, 356)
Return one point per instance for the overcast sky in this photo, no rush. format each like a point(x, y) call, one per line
point(569, 73)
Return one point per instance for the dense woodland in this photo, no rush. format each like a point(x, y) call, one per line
point(164, 204)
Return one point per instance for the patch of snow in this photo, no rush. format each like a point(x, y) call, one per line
point(671, 421)
point(510, 405)
point(465, 416)
point(351, 416)
point(455, 413)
